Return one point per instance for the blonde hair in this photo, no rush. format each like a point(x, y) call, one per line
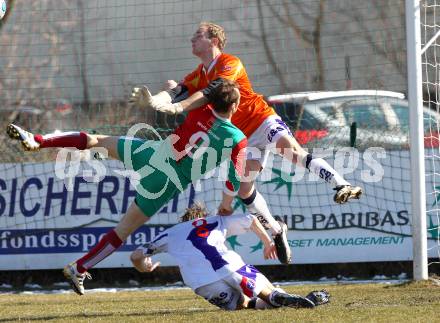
point(215, 31)
point(196, 211)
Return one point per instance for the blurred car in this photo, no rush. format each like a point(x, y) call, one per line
point(334, 119)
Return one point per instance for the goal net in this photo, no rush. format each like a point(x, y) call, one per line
point(430, 38)
point(70, 65)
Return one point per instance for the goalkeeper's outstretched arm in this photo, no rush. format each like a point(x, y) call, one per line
point(172, 101)
point(192, 102)
point(199, 98)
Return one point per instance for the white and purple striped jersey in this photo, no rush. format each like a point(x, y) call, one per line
point(199, 249)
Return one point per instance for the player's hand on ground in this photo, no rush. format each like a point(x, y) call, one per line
point(270, 251)
point(141, 97)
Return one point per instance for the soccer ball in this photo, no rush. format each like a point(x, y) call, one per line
point(2, 8)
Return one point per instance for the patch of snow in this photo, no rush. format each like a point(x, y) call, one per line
point(132, 282)
point(61, 284)
point(380, 277)
point(32, 286)
point(5, 286)
point(179, 285)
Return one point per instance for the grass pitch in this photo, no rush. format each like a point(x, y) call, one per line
point(411, 302)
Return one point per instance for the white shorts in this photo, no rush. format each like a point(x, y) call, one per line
point(226, 293)
point(264, 139)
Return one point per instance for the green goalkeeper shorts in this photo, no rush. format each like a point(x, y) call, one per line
point(155, 189)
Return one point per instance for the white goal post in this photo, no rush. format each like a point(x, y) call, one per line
point(415, 98)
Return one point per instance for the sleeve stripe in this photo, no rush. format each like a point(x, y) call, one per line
point(239, 156)
point(159, 237)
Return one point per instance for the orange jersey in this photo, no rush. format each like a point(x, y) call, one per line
point(252, 111)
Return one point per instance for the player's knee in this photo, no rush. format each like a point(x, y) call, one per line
point(245, 190)
point(289, 148)
point(252, 170)
point(92, 140)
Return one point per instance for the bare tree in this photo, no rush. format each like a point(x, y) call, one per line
point(379, 24)
point(387, 17)
point(307, 37)
point(26, 75)
point(83, 55)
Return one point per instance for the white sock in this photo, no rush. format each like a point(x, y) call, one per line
point(321, 168)
point(257, 206)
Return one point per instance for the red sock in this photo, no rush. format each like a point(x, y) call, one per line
point(105, 247)
point(63, 139)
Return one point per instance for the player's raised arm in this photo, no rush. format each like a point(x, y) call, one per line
point(199, 98)
point(238, 224)
point(172, 101)
point(163, 101)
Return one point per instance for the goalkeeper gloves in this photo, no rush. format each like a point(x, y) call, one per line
point(141, 97)
point(168, 108)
